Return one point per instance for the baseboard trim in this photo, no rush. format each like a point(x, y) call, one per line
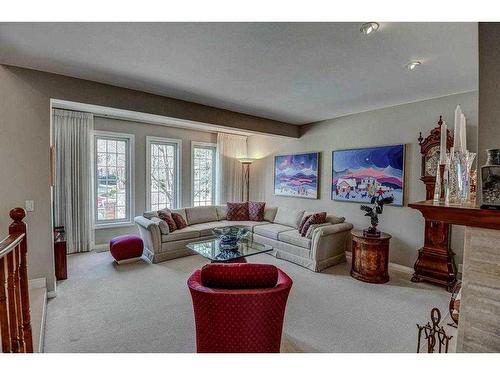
point(393, 266)
point(101, 248)
point(51, 294)
point(40, 282)
point(42, 330)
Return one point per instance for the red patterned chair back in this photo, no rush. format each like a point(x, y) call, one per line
point(239, 307)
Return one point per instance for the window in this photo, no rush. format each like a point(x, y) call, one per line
point(162, 177)
point(113, 178)
point(203, 173)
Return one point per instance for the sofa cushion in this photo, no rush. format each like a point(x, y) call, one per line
point(164, 229)
point(332, 219)
point(271, 230)
point(206, 228)
point(293, 237)
point(221, 212)
point(303, 221)
point(237, 211)
point(288, 216)
point(256, 211)
point(239, 276)
point(181, 234)
point(270, 213)
point(203, 214)
point(179, 220)
point(317, 218)
point(182, 212)
point(251, 224)
point(166, 216)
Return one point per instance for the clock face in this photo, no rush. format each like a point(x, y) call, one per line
point(432, 161)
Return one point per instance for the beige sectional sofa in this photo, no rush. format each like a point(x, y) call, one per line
point(325, 247)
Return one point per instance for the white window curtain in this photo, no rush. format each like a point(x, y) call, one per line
point(230, 147)
point(72, 192)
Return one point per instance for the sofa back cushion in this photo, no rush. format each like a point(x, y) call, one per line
point(270, 213)
point(237, 211)
point(289, 217)
point(180, 211)
point(203, 214)
point(256, 211)
point(239, 276)
point(221, 212)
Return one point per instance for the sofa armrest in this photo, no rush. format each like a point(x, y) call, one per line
point(330, 241)
point(150, 233)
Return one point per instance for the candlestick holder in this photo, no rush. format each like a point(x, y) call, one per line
point(441, 184)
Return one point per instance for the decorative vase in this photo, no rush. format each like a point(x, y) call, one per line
point(459, 166)
point(490, 181)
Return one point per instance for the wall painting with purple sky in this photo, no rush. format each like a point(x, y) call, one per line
point(360, 174)
point(296, 175)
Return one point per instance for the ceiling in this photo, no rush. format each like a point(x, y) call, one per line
point(291, 72)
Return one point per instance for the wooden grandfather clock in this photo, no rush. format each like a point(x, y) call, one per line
point(435, 262)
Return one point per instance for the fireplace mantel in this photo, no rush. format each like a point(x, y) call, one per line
point(471, 216)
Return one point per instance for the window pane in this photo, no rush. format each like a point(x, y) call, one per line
point(163, 175)
point(112, 187)
point(203, 175)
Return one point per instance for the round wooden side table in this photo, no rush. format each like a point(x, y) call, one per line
point(370, 257)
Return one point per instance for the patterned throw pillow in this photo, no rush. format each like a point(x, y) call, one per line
point(303, 221)
point(317, 218)
point(179, 220)
point(237, 211)
point(166, 216)
point(256, 211)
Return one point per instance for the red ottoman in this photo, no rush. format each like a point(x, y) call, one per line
point(126, 248)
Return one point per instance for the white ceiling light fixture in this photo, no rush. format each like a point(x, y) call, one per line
point(412, 65)
point(369, 28)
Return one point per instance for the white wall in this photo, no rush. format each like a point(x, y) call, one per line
point(140, 131)
point(400, 124)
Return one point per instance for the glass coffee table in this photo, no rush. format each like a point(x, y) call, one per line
point(210, 249)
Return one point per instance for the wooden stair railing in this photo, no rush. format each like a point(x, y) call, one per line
point(15, 320)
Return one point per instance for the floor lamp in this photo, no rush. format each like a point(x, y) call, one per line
point(245, 178)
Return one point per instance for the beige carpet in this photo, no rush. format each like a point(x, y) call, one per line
point(144, 307)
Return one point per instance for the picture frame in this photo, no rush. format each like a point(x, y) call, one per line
point(358, 174)
point(297, 175)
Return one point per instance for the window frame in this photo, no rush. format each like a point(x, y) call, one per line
point(178, 183)
point(195, 144)
point(130, 168)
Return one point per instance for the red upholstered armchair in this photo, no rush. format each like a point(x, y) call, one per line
point(239, 307)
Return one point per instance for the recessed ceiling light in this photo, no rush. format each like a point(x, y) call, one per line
point(412, 65)
point(369, 28)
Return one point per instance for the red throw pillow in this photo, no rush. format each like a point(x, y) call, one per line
point(237, 211)
point(239, 276)
point(166, 216)
point(179, 220)
point(256, 211)
point(303, 221)
point(317, 218)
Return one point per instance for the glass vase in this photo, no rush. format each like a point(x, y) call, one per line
point(458, 192)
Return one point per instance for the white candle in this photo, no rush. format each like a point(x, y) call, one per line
point(442, 149)
point(456, 133)
point(463, 134)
